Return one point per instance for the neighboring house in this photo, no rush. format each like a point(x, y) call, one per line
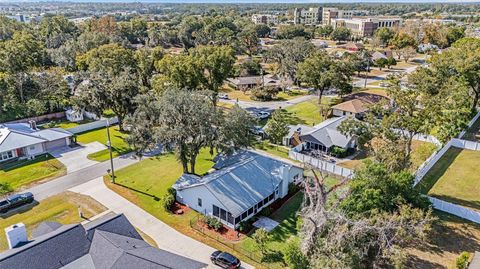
point(381, 55)
point(422, 48)
point(241, 186)
point(246, 83)
point(25, 140)
point(74, 115)
point(357, 104)
point(323, 136)
point(108, 242)
point(354, 108)
point(354, 46)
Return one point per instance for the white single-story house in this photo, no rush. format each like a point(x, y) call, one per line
point(241, 186)
point(24, 140)
point(323, 136)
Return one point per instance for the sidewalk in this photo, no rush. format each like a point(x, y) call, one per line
point(166, 237)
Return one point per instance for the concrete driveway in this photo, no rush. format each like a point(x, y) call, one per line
point(76, 158)
point(165, 236)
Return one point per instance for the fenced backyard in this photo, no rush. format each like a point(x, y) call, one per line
point(321, 164)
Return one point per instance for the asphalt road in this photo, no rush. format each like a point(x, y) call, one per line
point(73, 179)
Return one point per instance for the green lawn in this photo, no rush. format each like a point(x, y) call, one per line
point(119, 145)
point(288, 229)
point(62, 208)
point(23, 173)
point(277, 150)
point(420, 152)
point(455, 178)
point(307, 112)
point(63, 123)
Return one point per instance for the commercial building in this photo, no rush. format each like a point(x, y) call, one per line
point(329, 14)
point(366, 27)
point(310, 16)
point(264, 19)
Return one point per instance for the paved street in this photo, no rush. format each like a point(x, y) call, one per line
point(268, 106)
point(78, 177)
point(166, 237)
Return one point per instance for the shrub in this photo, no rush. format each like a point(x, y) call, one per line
point(172, 191)
point(267, 211)
point(264, 93)
point(261, 238)
point(341, 152)
point(167, 201)
point(212, 222)
point(293, 188)
point(5, 188)
point(245, 226)
point(462, 260)
point(294, 256)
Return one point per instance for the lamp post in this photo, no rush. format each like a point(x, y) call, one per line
point(109, 144)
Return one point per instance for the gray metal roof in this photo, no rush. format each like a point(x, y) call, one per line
point(14, 140)
point(240, 181)
point(327, 133)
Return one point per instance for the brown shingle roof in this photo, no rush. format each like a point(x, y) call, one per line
point(354, 106)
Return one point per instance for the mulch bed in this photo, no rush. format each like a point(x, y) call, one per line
point(225, 232)
point(179, 209)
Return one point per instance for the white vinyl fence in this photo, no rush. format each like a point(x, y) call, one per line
point(92, 125)
point(469, 125)
point(321, 164)
point(456, 210)
point(465, 144)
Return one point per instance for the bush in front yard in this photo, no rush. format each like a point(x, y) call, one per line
point(245, 226)
point(294, 257)
point(267, 211)
point(167, 201)
point(5, 188)
point(212, 222)
point(293, 188)
point(462, 260)
point(341, 152)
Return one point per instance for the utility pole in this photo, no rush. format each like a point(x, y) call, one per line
point(368, 69)
point(109, 144)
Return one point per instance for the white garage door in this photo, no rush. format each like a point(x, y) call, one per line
point(56, 144)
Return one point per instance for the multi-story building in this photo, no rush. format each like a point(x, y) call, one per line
point(264, 18)
point(328, 14)
point(308, 16)
point(366, 27)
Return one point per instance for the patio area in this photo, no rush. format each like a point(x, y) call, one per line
point(266, 223)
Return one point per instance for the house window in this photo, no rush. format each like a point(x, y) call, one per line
point(32, 147)
point(216, 211)
point(250, 211)
point(272, 196)
point(238, 219)
point(199, 202)
point(223, 214)
point(344, 113)
point(230, 218)
point(265, 201)
point(244, 215)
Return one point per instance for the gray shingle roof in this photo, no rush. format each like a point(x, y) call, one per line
point(19, 135)
point(108, 242)
point(45, 228)
point(240, 181)
point(327, 133)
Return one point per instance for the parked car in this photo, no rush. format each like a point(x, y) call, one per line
point(262, 114)
point(15, 201)
point(258, 130)
point(223, 96)
point(225, 260)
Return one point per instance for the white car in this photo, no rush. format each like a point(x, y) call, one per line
point(223, 96)
point(262, 114)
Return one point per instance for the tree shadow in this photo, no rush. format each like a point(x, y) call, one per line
point(449, 234)
point(458, 201)
point(273, 256)
point(156, 198)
